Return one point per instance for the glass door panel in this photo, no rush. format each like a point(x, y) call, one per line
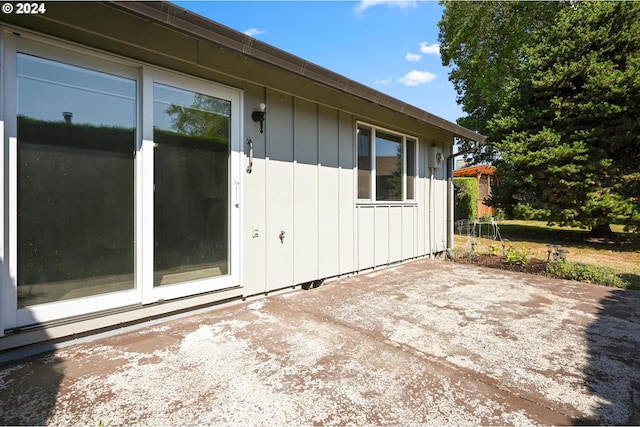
point(191, 191)
point(75, 195)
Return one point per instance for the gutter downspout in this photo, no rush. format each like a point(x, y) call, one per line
point(432, 220)
point(450, 167)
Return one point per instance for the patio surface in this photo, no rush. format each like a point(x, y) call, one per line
point(428, 342)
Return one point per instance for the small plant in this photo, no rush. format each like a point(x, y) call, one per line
point(518, 256)
point(494, 250)
point(585, 273)
point(456, 254)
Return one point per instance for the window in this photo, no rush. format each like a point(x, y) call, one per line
point(191, 203)
point(75, 208)
point(386, 165)
point(364, 162)
point(412, 145)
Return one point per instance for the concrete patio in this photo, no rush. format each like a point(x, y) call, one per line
point(428, 342)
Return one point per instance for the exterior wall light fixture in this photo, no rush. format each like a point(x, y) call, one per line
point(260, 115)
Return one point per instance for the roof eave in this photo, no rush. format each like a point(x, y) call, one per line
point(182, 20)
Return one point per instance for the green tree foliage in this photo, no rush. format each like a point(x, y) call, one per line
point(206, 117)
point(565, 120)
point(465, 198)
point(482, 43)
point(569, 130)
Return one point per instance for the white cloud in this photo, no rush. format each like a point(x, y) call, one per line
point(402, 4)
point(416, 78)
point(254, 32)
point(383, 82)
point(412, 57)
point(433, 49)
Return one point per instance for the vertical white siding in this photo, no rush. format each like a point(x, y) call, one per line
point(305, 192)
point(440, 206)
point(366, 237)
point(381, 235)
point(279, 190)
point(329, 208)
point(254, 224)
point(303, 182)
point(348, 231)
point(409, 233)
point(422, 232)
point(395, 233)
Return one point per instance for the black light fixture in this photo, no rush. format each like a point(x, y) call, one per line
point(260, 115)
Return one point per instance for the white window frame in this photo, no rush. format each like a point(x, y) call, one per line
point(372, 178)
point(232, 279)
point(143, 292)
point(34, 45)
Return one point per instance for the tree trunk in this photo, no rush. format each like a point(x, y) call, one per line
point(602, 230)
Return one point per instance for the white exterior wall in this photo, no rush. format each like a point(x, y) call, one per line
point(440, 211)
point(303, 180)
point(303, 183)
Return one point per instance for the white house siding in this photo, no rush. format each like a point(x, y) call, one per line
point(347, 195)
point(303, 183)
point(328, 226)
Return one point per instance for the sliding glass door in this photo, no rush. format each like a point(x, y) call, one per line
point(191, 137)
point(123, 184)
point(76, 139)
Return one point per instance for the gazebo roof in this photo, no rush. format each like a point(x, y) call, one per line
point(475, 171)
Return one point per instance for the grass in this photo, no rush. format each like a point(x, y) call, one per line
point(619, 255)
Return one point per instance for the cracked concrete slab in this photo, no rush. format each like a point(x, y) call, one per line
point(428, 342)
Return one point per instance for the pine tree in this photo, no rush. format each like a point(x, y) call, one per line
point(568, 134)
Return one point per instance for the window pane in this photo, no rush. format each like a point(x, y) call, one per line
point(411, 168)
point(388, 166)
point(76, 139)
point(364, 162)
point(191, 173)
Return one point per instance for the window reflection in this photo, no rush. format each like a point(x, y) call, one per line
point(364, 162)
point(76, 138)
point(191, 175)
point(393, 157)
point(411, 168)
point(388, 166)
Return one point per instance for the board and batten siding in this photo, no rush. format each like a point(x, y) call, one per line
point(303, 187)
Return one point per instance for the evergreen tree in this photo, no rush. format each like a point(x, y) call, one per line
point(482, 42)
point(556, 88)
point(568, 132)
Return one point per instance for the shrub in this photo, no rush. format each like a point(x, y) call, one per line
point(518, 256)
point(494, 250)
point(585, 273)
point(465, 198)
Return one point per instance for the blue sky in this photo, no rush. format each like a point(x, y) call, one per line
point(389, 45)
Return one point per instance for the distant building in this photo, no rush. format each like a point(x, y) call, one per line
point(461, 163)
point(485, 176)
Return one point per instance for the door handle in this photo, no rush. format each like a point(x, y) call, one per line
point(250, 144)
